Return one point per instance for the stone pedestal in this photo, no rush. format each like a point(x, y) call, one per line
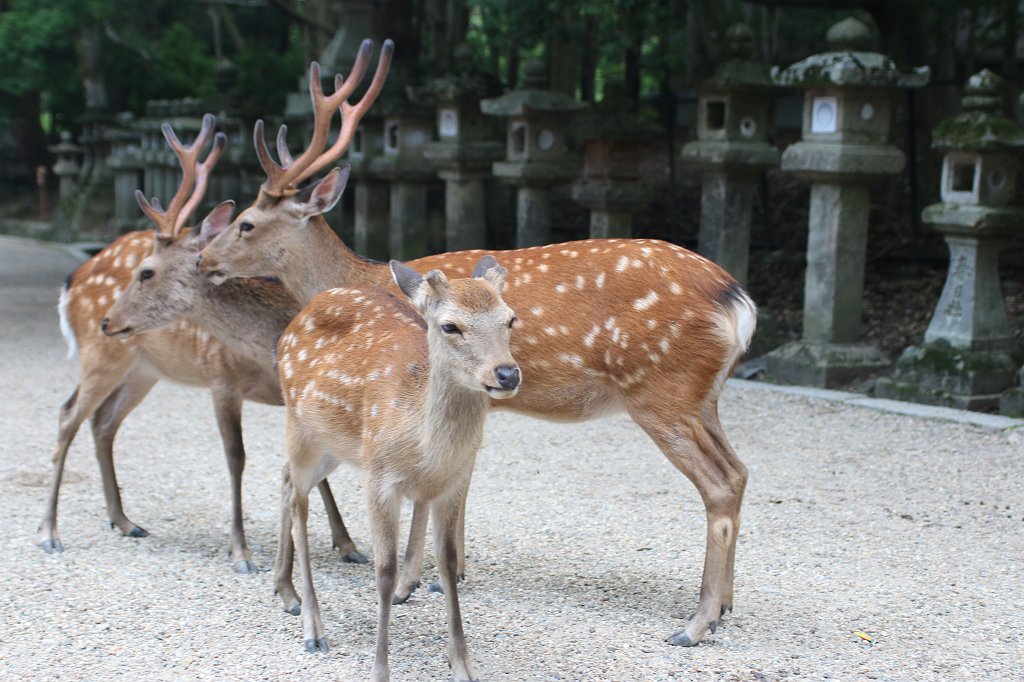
point(371, 195)
point(465, 167)
point(844, 146)
point(612, 206)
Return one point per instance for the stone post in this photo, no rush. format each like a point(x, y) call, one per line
point(537, 150)
point(731, 150)
point(371, 213)
point(966, 359)
point(125, 143)
point(615, 143)
point(465, 152)
point(844, 146)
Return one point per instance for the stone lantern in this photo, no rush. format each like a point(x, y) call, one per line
point(466, 149)
point(615, 141)
point(966, 360)
point(408, 128)
point(731, 150)
point(67, 167)
point(847, 115)
point(537, 151)
point(124, 161)
point(371, 194)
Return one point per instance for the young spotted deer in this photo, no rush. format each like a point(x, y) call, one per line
point(366, 381)
point(608, 325)
point(120, 364)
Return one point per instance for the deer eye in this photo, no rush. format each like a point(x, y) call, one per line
point(145, 273)
point(450, 329)
point(246, 227)
point(512, 322)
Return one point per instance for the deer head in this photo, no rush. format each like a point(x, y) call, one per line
point(164, 286)
point(468, 325)
point(256, 243)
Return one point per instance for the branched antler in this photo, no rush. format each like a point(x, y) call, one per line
point(285, 175)
point(195, 176)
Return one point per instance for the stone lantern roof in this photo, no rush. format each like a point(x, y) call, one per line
point(849, 63)
point(464, 84)
point(980, 127)
point(739, 70)
point(534, 97)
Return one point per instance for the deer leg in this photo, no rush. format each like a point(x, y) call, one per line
point(105, 423)
point(720, 479)
point(460, 573)
point(714, 428)
point(447, 512)
point(412, 564)
point(285, 557)
point(384, 510)
point(227, 405)
point(339, 533)
point(94, 388)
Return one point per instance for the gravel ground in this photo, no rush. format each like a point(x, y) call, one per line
point(584, 545)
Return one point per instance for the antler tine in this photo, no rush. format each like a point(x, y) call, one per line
point(272, 168)
point(187, 155)
point(153, 212)
point(352, 114)
point(203, 171)
point(282, 147)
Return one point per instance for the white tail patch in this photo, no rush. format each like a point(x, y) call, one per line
point(736, 323)
point(65, 326)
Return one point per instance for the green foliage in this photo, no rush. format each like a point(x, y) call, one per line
point(37, 45)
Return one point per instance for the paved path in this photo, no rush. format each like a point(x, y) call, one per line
point(585, 545)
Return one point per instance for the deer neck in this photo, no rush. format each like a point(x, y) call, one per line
point(454, 418)
point(326, 262)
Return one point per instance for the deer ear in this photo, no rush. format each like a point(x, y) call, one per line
point(407, 279)
point(489, 270)
point(322, 196)
point(217, 220)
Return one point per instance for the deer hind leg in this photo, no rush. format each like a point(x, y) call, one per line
point(94, 388)
point(227, 405)
point(284, 560)
point(696, 446)
point(105, 423)
point(384, 510)
point(343, 542)
point(447, 513)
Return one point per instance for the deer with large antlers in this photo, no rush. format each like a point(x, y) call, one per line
point(366, 381)
point(119, 364)
point(607, 325)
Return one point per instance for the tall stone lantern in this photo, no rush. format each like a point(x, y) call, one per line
point(966, 360)
point(467, 147)
point(615, 140)
point(408, 128)
point(537, 153)
point(67, 167)
point(372, 197)
point(731, 150)
point(848, 95)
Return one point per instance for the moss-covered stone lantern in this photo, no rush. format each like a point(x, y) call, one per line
point(537, 152)
point(848, 94)
point(615, 141)
point(67, 168)
point(733, 117)
point(966, 360)
point(467, 147)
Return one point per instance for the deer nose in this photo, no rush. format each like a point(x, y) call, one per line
point(199, 259)
point(508, 376)
point(105, 326)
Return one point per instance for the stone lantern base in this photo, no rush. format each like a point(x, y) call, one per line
point(825, 365)
point(1011, 402)
point(939, 374)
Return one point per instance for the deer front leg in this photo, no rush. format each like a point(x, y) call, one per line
point(227, 405)
point(460, 539)
point(412, 564)
point(446, 513)
point(384, 511)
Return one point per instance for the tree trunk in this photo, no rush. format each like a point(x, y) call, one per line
point(28, 135)
point(588, 68)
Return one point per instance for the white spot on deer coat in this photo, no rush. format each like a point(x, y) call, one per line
point(599, 282)
point(646, 302)
point(561, 288)
point(537, 311)
point(675, 288)
point(622, 264)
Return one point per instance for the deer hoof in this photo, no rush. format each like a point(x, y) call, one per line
point(295, 609)
point(245, 566)
point(401, 597)
point(51, 546)
point(137, 532)
point(436, 587)
point(726, 608)
point(315, 645)
point(713, 625)
point(354, 557)
point(681, 639)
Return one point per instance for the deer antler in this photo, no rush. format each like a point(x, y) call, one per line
point(193, 181)
point(291, 171)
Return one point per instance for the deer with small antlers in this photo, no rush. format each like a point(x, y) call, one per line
point(633, 325)
point(120, 364)
point(366, 381)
